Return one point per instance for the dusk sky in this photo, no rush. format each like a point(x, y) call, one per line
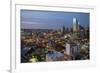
point(35, 19)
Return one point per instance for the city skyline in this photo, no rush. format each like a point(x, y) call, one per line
point(35, 19)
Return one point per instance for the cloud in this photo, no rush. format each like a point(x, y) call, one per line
point(33, 25)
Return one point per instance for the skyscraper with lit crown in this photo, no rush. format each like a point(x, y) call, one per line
point(75, 27)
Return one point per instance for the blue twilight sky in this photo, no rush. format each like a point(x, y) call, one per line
point(35, 19)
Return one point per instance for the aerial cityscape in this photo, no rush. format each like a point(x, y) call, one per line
point(49, 36)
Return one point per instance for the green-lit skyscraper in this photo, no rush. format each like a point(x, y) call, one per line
point(75, 28)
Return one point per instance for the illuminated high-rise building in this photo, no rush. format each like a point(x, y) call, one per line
point(75, 27)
